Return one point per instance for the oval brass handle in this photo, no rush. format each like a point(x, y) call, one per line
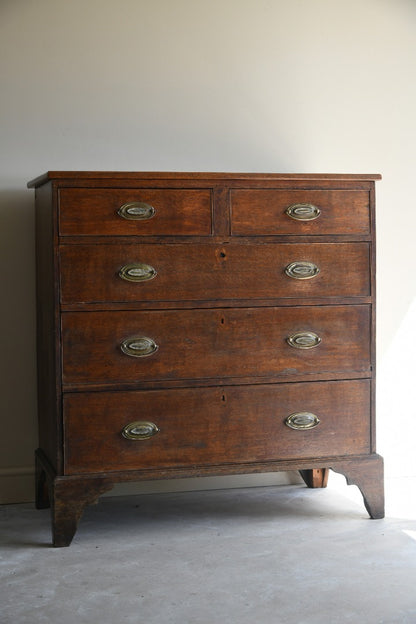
point(140, 430)
point(302, 420)
point(137, 272)
point(303, 212)
point(139, 346)
point(304, 340)
point(136, 211)
point(302, 270)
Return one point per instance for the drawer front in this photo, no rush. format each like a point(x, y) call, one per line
point(147, 212)
point(175, 272)
point(208, 426)
point(263, 212)
point(135, 347)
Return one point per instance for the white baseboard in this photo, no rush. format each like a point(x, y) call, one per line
point(17, 485)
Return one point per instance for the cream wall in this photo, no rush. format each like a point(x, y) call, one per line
point(218, 85)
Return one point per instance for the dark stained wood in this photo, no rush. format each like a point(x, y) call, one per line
point(316, 477)
point(367, 474)
point(94, 212)
point(209, 426)
point(94, 176)
point(217, 343)
point(66, 498)
point(90, 273)
point(48, 323)
point(262, 212)
point(214, 381)
point(43, 475)
point(69, 501)
point(206, 303)
point(74, 493)
point(220, 309)
point(221, 211)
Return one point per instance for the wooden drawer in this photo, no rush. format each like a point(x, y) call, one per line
point(213, 343)
point(262, 212)
point(91, 273)
point(208, 426)
point(94, 212)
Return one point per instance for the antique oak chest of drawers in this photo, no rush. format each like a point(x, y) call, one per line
point(197, 324)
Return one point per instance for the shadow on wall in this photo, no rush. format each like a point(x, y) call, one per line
point(17, 321)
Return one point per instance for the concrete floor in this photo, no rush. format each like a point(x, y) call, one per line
point(246, 556)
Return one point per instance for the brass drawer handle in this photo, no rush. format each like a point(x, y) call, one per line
point(302, 421)
point(303, 212)
point(304, 340)
point(140, 430)
point(137, 272)
point(302, 270)
point(136, 211)
point(139, 346)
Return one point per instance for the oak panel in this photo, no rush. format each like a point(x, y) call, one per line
point(262, 212)
point(214, 343)
point(208, 426)
point(90, 273)
point(93, 212)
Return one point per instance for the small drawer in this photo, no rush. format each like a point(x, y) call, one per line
point(142, 346)
point(136, 212)
point(183, 272)
point(110, 431)
point(265, 212)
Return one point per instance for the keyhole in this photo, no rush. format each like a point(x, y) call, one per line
point(222, 321)
point(222, 254)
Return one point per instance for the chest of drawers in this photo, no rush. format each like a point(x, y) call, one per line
point(197, 324)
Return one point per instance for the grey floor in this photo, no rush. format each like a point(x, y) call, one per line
point(254, 555)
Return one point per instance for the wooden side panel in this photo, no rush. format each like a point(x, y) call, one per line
point(48, 329)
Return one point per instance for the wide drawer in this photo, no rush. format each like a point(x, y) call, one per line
point(147, 212)
point(175, 272)
point(263, 212)
point(208, 426)
point(140, 346)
